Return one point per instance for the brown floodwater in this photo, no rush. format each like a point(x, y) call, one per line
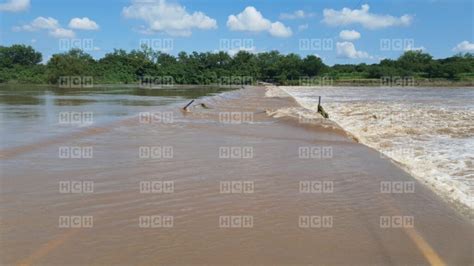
point(230, 185)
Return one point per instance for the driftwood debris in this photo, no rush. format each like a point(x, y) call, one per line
point(321, 109)
point(204, 106)
point(187, 105)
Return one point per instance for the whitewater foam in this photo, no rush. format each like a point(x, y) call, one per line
point(428, 131)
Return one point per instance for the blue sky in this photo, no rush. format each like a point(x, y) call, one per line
point(338, 31)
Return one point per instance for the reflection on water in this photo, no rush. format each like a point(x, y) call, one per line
point(29, 113)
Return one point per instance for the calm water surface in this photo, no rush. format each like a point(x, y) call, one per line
point(30, 113)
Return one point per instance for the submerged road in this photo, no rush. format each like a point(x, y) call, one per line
point(250, 190)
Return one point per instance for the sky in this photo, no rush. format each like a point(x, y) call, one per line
point(338, 31)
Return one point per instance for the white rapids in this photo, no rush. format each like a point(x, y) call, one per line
point(428, 131)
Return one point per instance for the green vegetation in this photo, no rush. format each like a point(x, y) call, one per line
point(21, 64)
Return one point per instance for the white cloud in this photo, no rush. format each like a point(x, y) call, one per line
point(303, 27)
point(83, 24)
point(349, 35)
point(277, 29)
point(348, 50)
point(347, 16)
point(249, 20)
point(15, 5)
point(39, 23)
point(62, 33)
point(170, 18)
point(464, 46)
point(50, 24)
point(298, 14)
point(252, 20)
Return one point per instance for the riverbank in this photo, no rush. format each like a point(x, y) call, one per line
point(395, 82)
point(249, 185)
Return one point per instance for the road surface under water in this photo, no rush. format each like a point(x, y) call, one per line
point(258, 189)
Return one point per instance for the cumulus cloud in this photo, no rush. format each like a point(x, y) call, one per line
point(62, 33)
point(298, 14)
point(50, 24)
point(39, 23)
point(83, 24)
point(347, 16)
point(349, 35)
point(348, 50)
point(248, 20)
point(464, 46)
point(170, 18)
point(15, 5)
point(252, 20)
point(277, 29)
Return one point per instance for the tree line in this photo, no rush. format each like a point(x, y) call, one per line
point(22, 64)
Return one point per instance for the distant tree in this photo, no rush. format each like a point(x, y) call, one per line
point(20, 63)
point(19, 54)
point(312, 65)
point(415, 61)
point(72, 63)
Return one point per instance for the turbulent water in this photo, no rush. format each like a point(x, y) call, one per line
point(214, 190)
point(429, 131)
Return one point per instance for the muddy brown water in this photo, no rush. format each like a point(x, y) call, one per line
point(265, 219)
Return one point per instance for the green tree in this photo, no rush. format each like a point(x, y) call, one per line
point(19, 54)
point(415, 61)
point(313, 65)
point(72, 63)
